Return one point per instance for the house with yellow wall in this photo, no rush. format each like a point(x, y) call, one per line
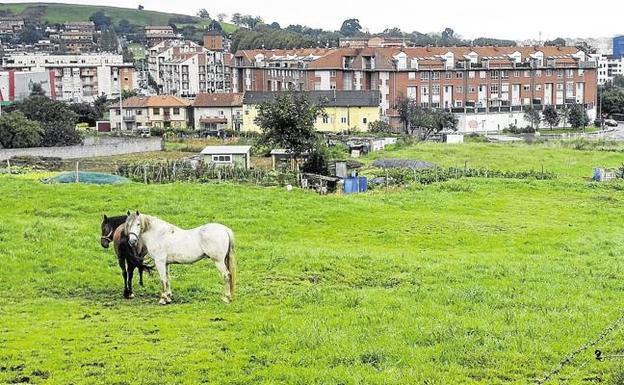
point(344, 110)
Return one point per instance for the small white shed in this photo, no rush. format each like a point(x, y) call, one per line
point(228, 155)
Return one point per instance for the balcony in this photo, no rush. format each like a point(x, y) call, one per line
point(129, 118)
point(167, 117)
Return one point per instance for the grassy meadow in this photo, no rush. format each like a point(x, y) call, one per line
point(471, 281)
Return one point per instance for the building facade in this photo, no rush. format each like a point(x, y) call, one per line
point(618, 47)
point(75, 37)
point(11, 24)
point(608, 66)
point(216, 112)
point(488, 88)
point(185, 68)
point(78, 78)
point(150, 111)
point(344, 110)
point(155, 34)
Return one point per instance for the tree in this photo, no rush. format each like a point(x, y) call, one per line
point(57, 120)
point(125, 94)
point(379, 126)
point(316, 163)
point(532, 116)
point(551, 116)
point(215, 26)
point(251, 21)
point(100, 20)
point(578, 116)
point(108, 40)
point(351, 27)
point(31, 34)
point(288, 122)
point(124, 27)
point(17, 131)
point(428, 121)
point(611, 99)
point(618, 81)
point(448, 34)
point(236, 19)
point(37, 90)
point(101, 104)
point(141, 7)
point(221, 17)
point(86, 113)
point(203, 14)
point(557, 42)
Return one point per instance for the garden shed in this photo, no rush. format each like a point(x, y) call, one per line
point(228, 155)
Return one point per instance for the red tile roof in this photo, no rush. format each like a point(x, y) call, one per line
point(218, 100)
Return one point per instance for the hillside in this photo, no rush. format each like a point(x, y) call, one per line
point(60, 13)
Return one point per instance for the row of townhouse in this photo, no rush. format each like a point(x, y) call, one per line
point(487, 87)
point(184, 68)
point(70, 78)
point(344, 111)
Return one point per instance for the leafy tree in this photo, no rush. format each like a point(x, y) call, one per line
point(141, 7)
point(86, 113)
point(236, 19)
point(221, 17)
point(100, 20)
point(101, 105)
point(316, 163)
point(533, 116)
point(351, 27)
point(124, 27)
point(578, 116)
point(556, 42)
point(379, 126)
point(288, 122)
point(551, 116)
point(31, 33)
point(108, 40)
point(203, 14)
point(125, 94)
point(448, 34)
point(57, 120)
point(215, 26)
point(37, 90)
point(611, 99)
point(251, 21)
point(618, 81)
point(429, 121)
point(393, 32)
point(17, 131)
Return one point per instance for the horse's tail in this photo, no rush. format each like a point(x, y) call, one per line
point(230, 262)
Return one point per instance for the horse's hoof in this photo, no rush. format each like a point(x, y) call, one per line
point(226, 299)
point(131, 296)
point(162, 301)
point(168, 300)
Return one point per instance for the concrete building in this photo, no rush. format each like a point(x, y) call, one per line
point(77, 78)
point(185, 68)
point(488, 88)
point(75, 37)
point(228, 156)
point(150, 111)
point(17, 85)
point(345, 110)
point(11, 24)
point(155, 34)
point(608, 66)
point(214, 41)
point(216, 112)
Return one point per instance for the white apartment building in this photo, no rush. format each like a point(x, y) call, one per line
point(184, 68)
point(608, 67)
point(78, 78)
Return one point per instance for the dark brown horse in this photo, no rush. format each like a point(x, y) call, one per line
point(129, 257)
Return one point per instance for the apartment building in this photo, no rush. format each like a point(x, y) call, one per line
point(75, 37)
point(344, 110)
point(488, 88)
point(162, 111)
point(78, 78)
point(155, 34)
point(11, 24)
point(185, 68)
point(214, 41)
point(608, 66)
point(218, 111)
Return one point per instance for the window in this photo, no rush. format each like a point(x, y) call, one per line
point(222, 158)
point(139, 112)
point(538, 73)
point(494, 75)
point(581, 72)
point(559, 86)
point(424, 76)
point(435, 76)
point(411, 75)
point(156, 111)
point(459, 75)
point(332, 74)
point(326, 119)
point(494, 88)
point(221, 112)
point(364, 120)
point(424, 90)
point(411, 92)
point(504, 74)
point(526, 87)
point(117, 112)
point(548, 72)
point(176, 110)
point(570, 88)
point(460, 89)
point(459, 103)
point(449, 75)
point(516, 74)
point(435, 90)
point(560, 74)
point(527, 74)
point(570, 73)
point(343, 120)
point(482, 74)
point(472, 89)
point(471, 74)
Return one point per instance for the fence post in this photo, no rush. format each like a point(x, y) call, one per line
point(9, 166)
point(145, 174)
point(77, 175)
point(465, 167)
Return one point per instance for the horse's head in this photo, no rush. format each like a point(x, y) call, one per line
point(135, 224)
point(107, 232)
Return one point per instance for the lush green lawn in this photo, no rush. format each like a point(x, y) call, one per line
point(560, 157)
point(466, 282)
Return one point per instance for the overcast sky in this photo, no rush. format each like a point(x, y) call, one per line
point(516, 20)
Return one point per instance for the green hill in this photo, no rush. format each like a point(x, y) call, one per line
point(60, 13)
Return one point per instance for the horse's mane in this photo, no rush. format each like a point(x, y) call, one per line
point(148, 221)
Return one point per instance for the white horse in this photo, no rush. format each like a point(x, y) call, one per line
point(168, 244)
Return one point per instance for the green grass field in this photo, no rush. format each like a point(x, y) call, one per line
point(61, 13)
point(470, 281)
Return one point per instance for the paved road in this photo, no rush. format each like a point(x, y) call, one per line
point(617, 134)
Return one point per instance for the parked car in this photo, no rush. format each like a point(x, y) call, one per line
point(610, 123)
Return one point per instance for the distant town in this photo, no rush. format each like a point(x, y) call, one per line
point(201, 79)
